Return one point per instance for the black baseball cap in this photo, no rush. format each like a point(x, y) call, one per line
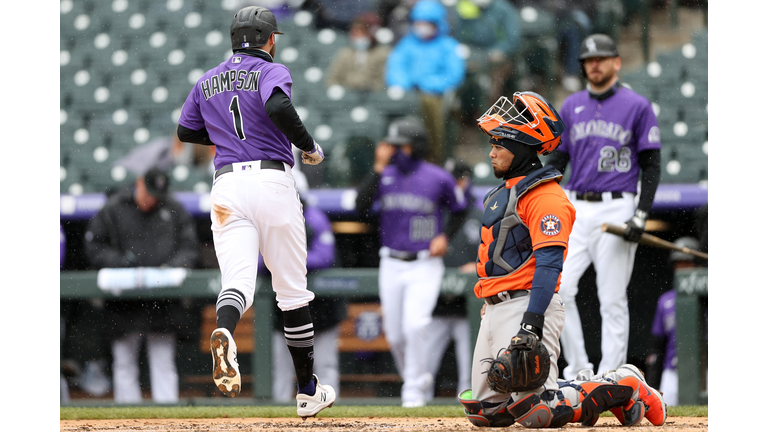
point(157, 183)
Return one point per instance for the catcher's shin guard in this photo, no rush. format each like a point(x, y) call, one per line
point(590, 398)
point(484, 414)
point(562, 411)
point(632, 412)
point(655, 408)
point(531, 412)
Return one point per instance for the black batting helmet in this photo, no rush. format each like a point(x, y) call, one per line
point(251, 27)
point(408, 130)
point(598, 45)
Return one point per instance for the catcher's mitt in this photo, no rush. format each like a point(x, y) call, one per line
point(523, 366)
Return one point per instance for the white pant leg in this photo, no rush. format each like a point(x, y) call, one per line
point(461, 339)
point(614, 261)
point(669, 386)
point(163, 376)
point(438, 338)
point(125, 368)
point(327, 357)
point(423, 289)
point(391, 296)
point(283, 375)
point(576, 263)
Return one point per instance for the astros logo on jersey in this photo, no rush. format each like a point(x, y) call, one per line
point(550, 225)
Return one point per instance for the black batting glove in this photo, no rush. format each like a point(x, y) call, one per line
point(635, 226)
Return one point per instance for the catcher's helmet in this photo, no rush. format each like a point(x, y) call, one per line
point(690, 243)
point(598, 45)
point(528, 119)
point(251, 27)
point(408, 130)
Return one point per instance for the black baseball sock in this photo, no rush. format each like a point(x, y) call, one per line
point(230, 306)
point(300, 338)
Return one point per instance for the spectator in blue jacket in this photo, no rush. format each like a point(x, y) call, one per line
point(427, 60)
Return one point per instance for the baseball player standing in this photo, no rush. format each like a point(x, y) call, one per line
point(523, 243)
point(611, 137)
point(243, 107)
point(413, 195)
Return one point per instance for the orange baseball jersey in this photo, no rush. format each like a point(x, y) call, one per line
point(520, 216)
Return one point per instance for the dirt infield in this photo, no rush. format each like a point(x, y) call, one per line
point(694, 424)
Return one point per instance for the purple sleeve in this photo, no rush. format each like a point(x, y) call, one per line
point(321, 247)
point(453, 195)
point(274, 78)
point(62, 247)
point(647, 129)
point(190, 117)
point(565, 141)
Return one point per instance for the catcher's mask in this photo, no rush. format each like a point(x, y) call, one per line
point(251, 27)
point(528, 119)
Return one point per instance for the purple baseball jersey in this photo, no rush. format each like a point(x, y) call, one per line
point(412, 206)
point(664, 327)
point(229, 102)
point(603, 139)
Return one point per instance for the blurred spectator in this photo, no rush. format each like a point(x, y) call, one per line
point(337, 14)
point(661, 362)
point(396, 15)
point(427, 60)
point(574, 22)
point(167, 152)
point(492, 28)
point(360, 66)
point(143, 226)
point(327, 314)
point(282, 9)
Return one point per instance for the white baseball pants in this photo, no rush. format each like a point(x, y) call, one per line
point(613, 259)
point(163, 377)
point(408, 291)
point(441, 331)
point(254, 210)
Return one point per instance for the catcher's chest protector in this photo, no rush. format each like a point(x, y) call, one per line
point(505, 240)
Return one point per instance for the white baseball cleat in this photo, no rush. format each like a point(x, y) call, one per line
point(226, 373)
point(309, 406)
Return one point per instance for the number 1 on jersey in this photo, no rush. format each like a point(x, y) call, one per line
point(237, 118)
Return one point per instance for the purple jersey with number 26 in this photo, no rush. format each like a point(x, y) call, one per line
point(229, 102)
point(412, 206)
point(603, 139)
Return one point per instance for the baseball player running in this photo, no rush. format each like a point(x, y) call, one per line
point(611, 136)
point(413, 196)
point(243, 107)
point(523, 243)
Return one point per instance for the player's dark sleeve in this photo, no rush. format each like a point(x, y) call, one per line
point(187, 250)
point(366, 192)
point(282, 113)
point(193, 136)
point(654, 362)
point(559, 160)
point(650, 164)
point(456, 220)
point(549, 264)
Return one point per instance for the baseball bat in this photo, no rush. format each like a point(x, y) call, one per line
point(651, 240)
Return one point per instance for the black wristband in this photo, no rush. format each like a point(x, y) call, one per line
point(533, 323)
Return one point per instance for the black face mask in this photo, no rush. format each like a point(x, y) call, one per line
point(404, 163)
point(526, 159)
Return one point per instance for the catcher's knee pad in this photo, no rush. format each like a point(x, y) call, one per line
point(485, 414)
point(632, 412)
point(655, 407)
point(531, 412)
point(590, 398)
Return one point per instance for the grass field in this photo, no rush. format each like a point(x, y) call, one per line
point(356, 411)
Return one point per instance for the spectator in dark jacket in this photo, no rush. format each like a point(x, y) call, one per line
point(143, 226)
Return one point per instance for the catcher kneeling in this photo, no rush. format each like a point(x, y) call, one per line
point(523, 242)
